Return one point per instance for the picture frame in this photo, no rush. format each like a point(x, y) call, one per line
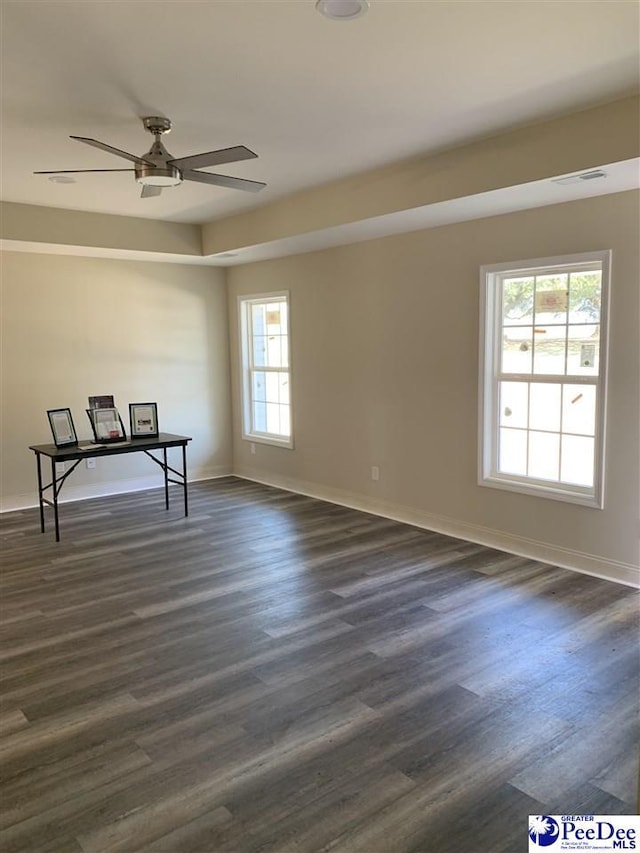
point(107, 425)
point(143, 420)
point(62, 427)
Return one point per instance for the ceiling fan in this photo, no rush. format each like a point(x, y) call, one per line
point(157, 168)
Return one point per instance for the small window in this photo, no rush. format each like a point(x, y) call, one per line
point(543, 376)
point(266, 379)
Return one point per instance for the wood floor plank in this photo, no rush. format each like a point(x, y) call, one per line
point(194, 837)
point(275, 673)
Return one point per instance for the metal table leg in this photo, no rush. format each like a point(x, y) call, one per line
point(54, 488)
point(184, 476)
point(40, 501)
point(166, 479)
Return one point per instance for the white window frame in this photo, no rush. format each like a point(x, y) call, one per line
point(245, 301)
point(490, 366)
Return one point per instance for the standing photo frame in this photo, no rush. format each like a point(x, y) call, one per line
point(107, 425)
point(62, 427)
point(143, 420)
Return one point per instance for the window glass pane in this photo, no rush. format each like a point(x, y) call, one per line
point(258, 320)
point(283, 381)
point(549, 349)
point(273, 318)
point(273, 388)
point(259, 350)
point(512, 453)
point(284, 315)
point(273, 418)
point(552, 299)
point(259, 386)
point(284, 356)
point(544, 407)
point(579, 409)
point(514, 404)
point(516, 349)
point(583, 352)
point(585, 296)
point(259, 417)
point(544, 455)
point(285, 421)
point(517, 301)
point(274, 350)
point(577, 460)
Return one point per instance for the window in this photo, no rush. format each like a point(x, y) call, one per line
point(266, 399)
point(542, 376)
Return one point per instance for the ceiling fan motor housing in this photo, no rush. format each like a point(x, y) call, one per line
point(162, 174)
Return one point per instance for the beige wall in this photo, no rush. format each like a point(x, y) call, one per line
point(72, 327)
point(52, 226)
point(385, 351)
point(385, 372)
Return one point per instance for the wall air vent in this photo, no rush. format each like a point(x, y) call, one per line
point(577, 179)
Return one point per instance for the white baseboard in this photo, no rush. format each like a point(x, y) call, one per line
point(99, 490)
point(577, 561)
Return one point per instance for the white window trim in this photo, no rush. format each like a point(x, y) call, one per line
point(488, 400)
point(244, 301)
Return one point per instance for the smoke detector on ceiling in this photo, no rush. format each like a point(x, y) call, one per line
point(342, 10)
point(593, 175)
point(62, 179)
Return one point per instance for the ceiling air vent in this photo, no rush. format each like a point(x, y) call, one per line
point(577, 179)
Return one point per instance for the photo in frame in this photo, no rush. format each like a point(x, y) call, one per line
point(143, 420)
point(105, 401)
point(62, 427)
point(106, 425)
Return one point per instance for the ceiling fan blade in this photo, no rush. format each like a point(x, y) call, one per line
point(148, 191)
point(81, 171)
point(111, 150)
point(223, 181)
point(213, 158)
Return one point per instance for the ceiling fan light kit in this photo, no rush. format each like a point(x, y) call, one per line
point(158, 177)
point(158, 169)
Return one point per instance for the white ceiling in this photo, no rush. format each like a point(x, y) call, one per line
point(316, 99)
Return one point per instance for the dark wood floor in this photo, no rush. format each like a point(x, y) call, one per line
point(275, 673)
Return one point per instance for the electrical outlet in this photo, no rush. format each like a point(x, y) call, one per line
point(60, 468)
point(90, 463)
point(253, 448)
point(375, 472)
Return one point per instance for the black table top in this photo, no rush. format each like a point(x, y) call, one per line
point(80, 451)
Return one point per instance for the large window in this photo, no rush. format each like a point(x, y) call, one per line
point(543, 372)
point(266, 400)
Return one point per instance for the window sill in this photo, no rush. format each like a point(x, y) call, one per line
point(273, 441)
point(543, 491)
